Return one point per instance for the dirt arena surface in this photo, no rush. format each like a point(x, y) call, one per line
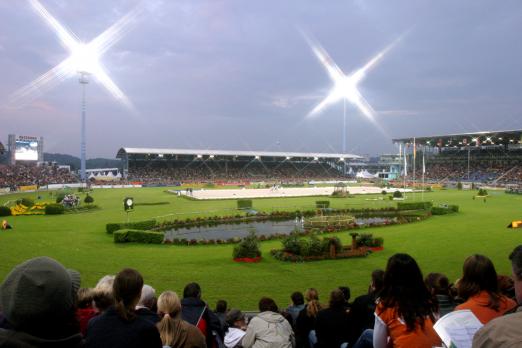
point(280, 192)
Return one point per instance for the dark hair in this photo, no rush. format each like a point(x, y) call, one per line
point(479, 274)
point(103, 300)
point(221, 306)
point(377, 281)
point(437, 284)
point(346, 292)
point(404, 289)
point(516, 261)
point(267, 304)
point(85, 297)
point(127, 290)
point(297, 298)
point(192, 290)
point(336, 299)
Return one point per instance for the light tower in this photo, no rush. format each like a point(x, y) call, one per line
point(84, 80)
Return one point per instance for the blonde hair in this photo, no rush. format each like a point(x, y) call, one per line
point(169, 307)
point(312, 298)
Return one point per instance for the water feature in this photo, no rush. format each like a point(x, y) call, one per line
point(267, 228)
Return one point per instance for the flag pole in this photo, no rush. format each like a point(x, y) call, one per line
point(423, 172)
point(405, 172)
point(414, 160)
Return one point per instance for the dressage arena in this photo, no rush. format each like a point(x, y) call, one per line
point(279, 192)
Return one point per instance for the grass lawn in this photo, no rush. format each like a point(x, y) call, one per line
point(79, 241)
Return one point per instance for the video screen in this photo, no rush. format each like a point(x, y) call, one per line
point(26, 150)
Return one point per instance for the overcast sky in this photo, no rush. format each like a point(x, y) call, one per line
point(240, 75)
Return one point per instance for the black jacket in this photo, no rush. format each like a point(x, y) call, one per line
point(147, 314)
point(192, 309)
point(362, 316)
point(17, 339)
point(109, 330)
point(331, 327)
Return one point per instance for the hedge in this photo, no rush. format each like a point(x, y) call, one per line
point(244, 204)
point(414, 205)
point(443, 210)
point(28, 202)
point(54, 209)
point(5, 211)
point(138, 236)
point(322, 204)
point(88, 199)
point(138, 225)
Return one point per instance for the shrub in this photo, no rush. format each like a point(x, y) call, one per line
point(248, 247)
point(59, 197)
point(54, 209)
point(138, 236)
point(414, 205)
point(445, 209)
point(329, 240)
point(364, 239)
point(482, 192)
point(429, 189)
point(397, 194)
point(88, 199)
point(316, 247)
point(5, 211)
point(322, 204)
point(291, 244)
point(383, 192)
point(138, 225)
point(28, 202)
point(244, 204)
point(459, 186)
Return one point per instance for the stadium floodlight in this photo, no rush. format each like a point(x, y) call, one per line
point(346, 86)
point(83, 60)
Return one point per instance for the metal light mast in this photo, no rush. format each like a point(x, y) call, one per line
point(84, 80)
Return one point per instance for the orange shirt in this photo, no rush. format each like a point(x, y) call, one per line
point(400, 337)
point(478, 304)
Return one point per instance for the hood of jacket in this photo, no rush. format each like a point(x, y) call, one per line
point(271, 317)
point(11, 338)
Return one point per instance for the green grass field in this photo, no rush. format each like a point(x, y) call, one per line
point(79, 241)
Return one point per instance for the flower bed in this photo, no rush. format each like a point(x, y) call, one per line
point(248, 259)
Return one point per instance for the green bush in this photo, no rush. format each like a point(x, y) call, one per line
point(292, 244)
point(315, 246)
point(248, 247)
point(482, 192)
point(244, 204)
point(397, 194)
point(414, 205)
point(322, 204)
point(138, 236)
point(443, 210)
point(5, 211)
point(364, 239)
point(88, 199)
point(28, 202)
point(59, 197)
point(54, 209)
point(459, 186)
point(329, 240)
point(384, 192)
point(138, 225)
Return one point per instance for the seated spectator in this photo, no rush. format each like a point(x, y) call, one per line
point(38, 300)
point(505, 331)
point(146, 303)
point(221, 312)
point(120, 326)
point(268, 328)
point(347, 294)
point(102, 294)
point(332, 323)
point(438, 285)
point(506, 286)
point(405, 313)
point(85, 311)
point(362, 311)
point(306, 319)
point(236, 325)
point(174, 332)
point(196, 312)
point(296, 306)
point(479, 289)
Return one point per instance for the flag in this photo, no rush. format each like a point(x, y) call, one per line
point(414, 150)
point(405, 164)
point(423, 164)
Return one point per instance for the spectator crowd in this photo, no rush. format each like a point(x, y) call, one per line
point(13, 176)
point(43, 305)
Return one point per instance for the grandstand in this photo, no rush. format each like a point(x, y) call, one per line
point(493, 157)
point(2, 149)
point(168, 166)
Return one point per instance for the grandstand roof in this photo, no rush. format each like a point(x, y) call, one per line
point(231, 153)
point(504, 137)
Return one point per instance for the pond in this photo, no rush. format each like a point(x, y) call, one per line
point(267, 228)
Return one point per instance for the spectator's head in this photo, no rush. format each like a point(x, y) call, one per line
point(479, 274)
point(169, 308)
point(235, 318)
point(39, 297)
point(346, 292)
point(404, 289)
point(516, 265)
point(506, 286)
point(221, 306)
point(437, 284)
point(377, 281)
point(85, 298)
point(336, 299)
point(297, 298)
point(127, 291)
point(311, 294)
point(148, 297)
point(267, 304)
point(313, 306)
point(105, 284)
point(192, 290)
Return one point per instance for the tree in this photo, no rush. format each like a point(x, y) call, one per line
point(88, 199)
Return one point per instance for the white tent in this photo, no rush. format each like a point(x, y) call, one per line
point(364, 174)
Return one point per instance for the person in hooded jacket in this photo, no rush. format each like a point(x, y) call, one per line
point(235, 328)
point(268, 329)
point(38, 300)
